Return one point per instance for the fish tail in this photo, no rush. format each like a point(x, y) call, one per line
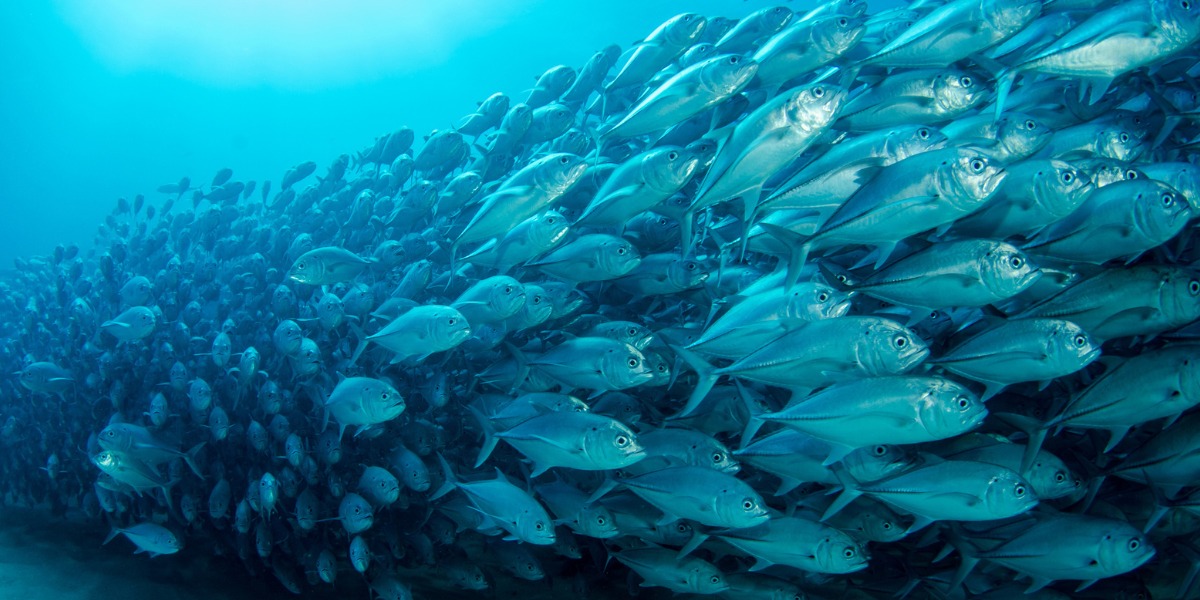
point(362, 342)
point(755, 422)
point(968, 559)
point(114, 532)
point(708, 378)
point(850, 491)
point(522, 366)
point(798, 245)
point(448, 475)
point(489, 435)
point(190, 458)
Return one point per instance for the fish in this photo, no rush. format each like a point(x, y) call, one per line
point(715, 312)
point(150, 538)
point(323, 266)
point(363, 401)
point(883, 410)
point(512, 509)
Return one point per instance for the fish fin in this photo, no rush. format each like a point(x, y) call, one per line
point(760, 563)
point(836, 453)
point(850, 491)
point(450, 482)
point(1037, 584)
point(968, 557)
point(698, 538)
point(799, 247)
point(1116, 434)
point(787, 484)
point(606, 486)
point(991, 388)
point(522, 366)
point(190, 458)
point(111, 534)
point(489, 435)
point(708, 377)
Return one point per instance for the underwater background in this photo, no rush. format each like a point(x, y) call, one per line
point(550, 299)
point(112, 99)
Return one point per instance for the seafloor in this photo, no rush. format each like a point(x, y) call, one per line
point(46, 557)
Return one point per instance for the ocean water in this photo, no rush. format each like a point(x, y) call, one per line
point(157, 344)
point(114, 100)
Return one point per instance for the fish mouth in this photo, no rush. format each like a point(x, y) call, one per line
point(913, 358)
point(1029, 278)
point(840, 309)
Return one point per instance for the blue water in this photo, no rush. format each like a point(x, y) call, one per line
point(111, 99)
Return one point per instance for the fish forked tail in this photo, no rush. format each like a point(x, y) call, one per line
point(489, 435)
point(798, 245)
point(190, 457)
point(451, 481)
point(707, 378)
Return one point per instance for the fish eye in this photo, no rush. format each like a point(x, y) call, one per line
point(672, 156)
point(1134, 544)
point(842, 22)
point(1019, 491)
point(923, 133)
point(718, 457)
point(1194, 287)
point(691, 266)
point(733, 60)
point(977, 165)
point(818, 92)
point(1131, 174)
point(1067, 177)
point(300, 266)
point(600, 520)
point(849, 553)
point(900, 341)
point(633, 362)
point(621, 250)
point(537, 298)
point(564, 160)
point(539, 526)
point(887, 525)
point(1060, 477)
point(451, 321)
point(715, 579)
point(823, 297)
point(880, 450)
point(1167, 200)
point(1124, 138)
point(631, 332)
point(1080, 340)
point(1030, 124)
point(963, 403)
point(681, 528)
point(551, 220)
point(508, 289)
point(965, 81)
point(622, 441)
point(1016, 262)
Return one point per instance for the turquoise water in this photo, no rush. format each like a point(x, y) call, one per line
point(109, 100)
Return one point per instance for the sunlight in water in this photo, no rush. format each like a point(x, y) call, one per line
point(282, 43)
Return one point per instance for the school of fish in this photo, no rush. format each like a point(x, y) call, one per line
point(825, 304)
